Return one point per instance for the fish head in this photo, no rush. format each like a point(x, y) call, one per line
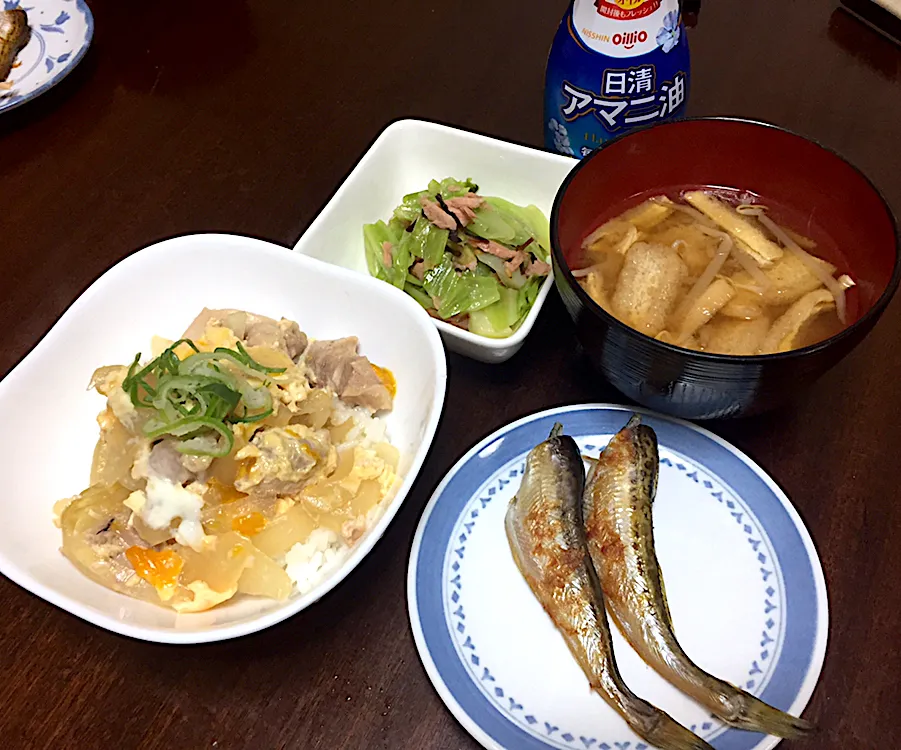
point(544, 513)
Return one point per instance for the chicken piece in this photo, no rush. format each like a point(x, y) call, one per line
point(647, 287)
point(295, 340)
point(283, 459)
point(234, 320)
point(284, 335)
point(166, 462)
point(337, 365)
point(254, 330)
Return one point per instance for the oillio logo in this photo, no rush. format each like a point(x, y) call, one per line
point(629, 40)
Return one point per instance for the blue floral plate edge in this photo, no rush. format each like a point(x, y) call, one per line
point(817, 657)
point(70, 65)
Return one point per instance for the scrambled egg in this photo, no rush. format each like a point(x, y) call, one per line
point(368, 465)
point(281, 459)
point(291, 390)
point(214, 335)
point(204, 597)
point(108, 382)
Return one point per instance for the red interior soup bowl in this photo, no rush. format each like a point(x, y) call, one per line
point(807, 188)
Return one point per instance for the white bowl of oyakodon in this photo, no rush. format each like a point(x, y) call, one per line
point(111, 563)
point(743, 581)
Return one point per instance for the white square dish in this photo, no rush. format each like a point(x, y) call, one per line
point(404, 157)
point(51, 423)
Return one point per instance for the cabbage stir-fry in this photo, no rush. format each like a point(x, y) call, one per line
point(242, 458)
point(474, 261)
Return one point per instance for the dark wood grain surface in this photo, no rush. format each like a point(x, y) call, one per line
point(243, 116)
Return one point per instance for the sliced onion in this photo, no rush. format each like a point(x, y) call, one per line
point(836, 289)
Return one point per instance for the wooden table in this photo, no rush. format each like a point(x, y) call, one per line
point(243, 116)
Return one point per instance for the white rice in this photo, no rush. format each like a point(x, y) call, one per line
point(368, 429)
point(310, 562)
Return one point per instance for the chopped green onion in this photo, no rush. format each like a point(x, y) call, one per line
point(197, 398)
point(190, 425)
point(251, 362)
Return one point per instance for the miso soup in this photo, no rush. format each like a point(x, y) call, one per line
point(718, 271)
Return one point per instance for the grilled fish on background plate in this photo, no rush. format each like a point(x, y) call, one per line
point(618, 525)
point(544, 528)
point(14, 35)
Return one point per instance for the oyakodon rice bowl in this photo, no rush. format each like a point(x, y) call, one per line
point(241, 459)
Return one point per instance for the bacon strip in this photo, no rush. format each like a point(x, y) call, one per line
point(437, 215)
point(464, 207)
point(513, 264)
point(537, 268)
point(493, 248)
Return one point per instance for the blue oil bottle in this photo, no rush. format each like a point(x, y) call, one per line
point(614, 65)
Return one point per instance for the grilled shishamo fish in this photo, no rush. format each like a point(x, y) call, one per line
point(544, 528)
point(618, 526)
point(14, 35)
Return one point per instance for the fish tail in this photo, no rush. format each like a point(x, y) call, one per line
point(657, 727)
point(757, 716)
point(673, 736)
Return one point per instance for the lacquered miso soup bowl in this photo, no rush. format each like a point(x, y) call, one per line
point(781, 167)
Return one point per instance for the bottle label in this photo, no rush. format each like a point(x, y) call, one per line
point(614, 65)
point(626, 28)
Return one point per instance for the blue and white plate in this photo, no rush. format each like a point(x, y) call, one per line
point(61, 32)
point(743, 579)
